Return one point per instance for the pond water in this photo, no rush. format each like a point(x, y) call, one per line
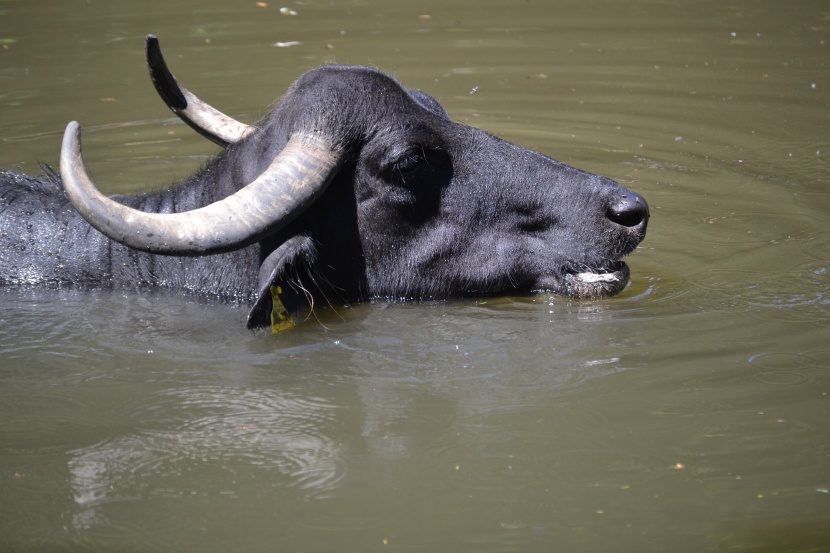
point(689, 413)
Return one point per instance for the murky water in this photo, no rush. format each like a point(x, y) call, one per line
point(690, 413)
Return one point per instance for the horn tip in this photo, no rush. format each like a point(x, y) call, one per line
point(72, 132)
point(163, 80)
point(151, 44)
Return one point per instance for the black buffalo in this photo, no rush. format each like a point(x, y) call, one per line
point(353, 187)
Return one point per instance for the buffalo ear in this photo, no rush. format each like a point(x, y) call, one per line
point(429, 102)
point(277, 296)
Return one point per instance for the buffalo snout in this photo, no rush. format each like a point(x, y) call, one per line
point(629, 210)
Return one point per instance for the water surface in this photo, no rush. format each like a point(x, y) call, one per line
point(690, 413)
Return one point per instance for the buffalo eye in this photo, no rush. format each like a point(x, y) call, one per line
point(420, 167)
point(410, 164)
point(418, 175)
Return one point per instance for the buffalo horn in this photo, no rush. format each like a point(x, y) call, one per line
point(204, 119)
point(293, 181)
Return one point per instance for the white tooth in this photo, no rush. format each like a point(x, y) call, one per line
point(597, 277)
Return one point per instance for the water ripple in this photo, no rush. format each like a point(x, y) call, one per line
point(786, 369)
point(206, 438)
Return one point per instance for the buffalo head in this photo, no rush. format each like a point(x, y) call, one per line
point(355, 187)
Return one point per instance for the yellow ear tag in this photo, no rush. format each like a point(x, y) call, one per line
point(280, 318)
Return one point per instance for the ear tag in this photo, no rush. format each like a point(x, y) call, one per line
point(280, 318)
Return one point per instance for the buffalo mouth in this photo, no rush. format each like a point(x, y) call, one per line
point(581, 281)
point(596, 282)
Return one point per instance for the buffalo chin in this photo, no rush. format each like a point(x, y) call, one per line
point(597, 283)
point(589, 282)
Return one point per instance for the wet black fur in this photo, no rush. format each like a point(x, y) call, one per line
point(422, 207)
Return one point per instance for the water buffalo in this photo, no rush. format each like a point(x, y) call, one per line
point(353, 187)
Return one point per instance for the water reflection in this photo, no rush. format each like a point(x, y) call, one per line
point(207, 439)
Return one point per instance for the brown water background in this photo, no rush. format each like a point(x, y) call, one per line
point(690, 413)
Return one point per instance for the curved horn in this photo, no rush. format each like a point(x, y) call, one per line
point(294, 180)
point(204, 119)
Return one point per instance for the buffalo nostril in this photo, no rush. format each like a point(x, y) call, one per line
point(630, 210)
